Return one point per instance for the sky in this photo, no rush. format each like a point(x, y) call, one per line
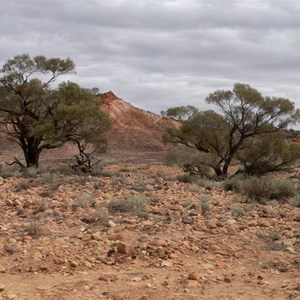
point(157, 54)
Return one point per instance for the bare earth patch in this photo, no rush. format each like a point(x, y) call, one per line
point(62, 238)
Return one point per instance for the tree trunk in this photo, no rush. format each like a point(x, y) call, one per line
point(218, 171)
point(226, 166)
point(32, 157)
point(31, 152)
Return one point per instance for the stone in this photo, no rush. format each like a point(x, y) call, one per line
point(108, 277)
point(192, 276)
point(11, 296)
point(2, 269)
point(2, 287)
point(96, 236)
point(43, 267)
point(118, 296)
point(122, 248)
point(136, 279)
point(73, 264)
point(187, 220)
point(42, 288)
point(264, 223)
point(211, 224)
point(166, 263)
point(111, 224)
point(231, 222)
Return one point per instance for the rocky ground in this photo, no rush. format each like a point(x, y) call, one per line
point(137, 233)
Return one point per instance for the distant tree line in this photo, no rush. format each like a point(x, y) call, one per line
point(248, 130)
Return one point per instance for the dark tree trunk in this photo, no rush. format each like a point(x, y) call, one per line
point(31, 151)
point(32, 157)
point(226, 166)
point(218, 171)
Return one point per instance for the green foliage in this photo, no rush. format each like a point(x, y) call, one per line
point(181, 112)
point(233, 183)
point(245, 114)
point(204, 205)
point(274, 236)
point(190, 161)
point(283, 189)
point(295, 200)
point(37, 117)
point(267, 153)
point(262, 189)
point(186, 178)
point(237, 212)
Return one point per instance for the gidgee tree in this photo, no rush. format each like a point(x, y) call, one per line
point(36, 116)
point(245, 114)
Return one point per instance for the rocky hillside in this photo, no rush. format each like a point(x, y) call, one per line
point(134, 128)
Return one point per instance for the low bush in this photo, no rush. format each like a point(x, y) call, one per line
point(295, 201)
point(265, 188)
point(282, 190)
point(187, 178)
point(233, 184)
point(135, 205)
point(237, 212)
point(204, 205)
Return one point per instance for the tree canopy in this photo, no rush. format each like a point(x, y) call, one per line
point(245, 115)
point(37, 116)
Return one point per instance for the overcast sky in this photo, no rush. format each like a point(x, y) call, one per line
point(161, 53)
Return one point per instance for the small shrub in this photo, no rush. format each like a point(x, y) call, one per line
point(23, 185)
point(233, 184)
point(258, 189)
point(32, 172)
point(191, 161)
point(78, 204)
point(188, 203)
point(295, 201)
point(10, 172)
point(237, 212)
point(65, 170)
point(101, 216)
point(109, 173)
point(209, 184)
point(35, 230)
point(282, 190)
point(265, 188)
point(135, 205)
point(187, 178)
point(274, 236)
point(97, 169)
point(50, 178)
point(204, 205)
point(273, 246)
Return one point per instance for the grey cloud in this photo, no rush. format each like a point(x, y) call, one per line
point(159, 53)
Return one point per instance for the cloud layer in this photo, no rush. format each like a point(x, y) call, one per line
point(161, 53)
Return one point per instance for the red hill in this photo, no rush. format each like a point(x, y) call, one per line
point(134, 128)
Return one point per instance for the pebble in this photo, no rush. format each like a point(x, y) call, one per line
point(122, 248)
point(136, 279)
point(192, 276)
point(11, 296)
point(73, 264)
point(108, 277)
point(166, 263)
point(2, 269)
point(211, 224)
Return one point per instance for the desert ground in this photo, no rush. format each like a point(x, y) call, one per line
point(137, 232)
